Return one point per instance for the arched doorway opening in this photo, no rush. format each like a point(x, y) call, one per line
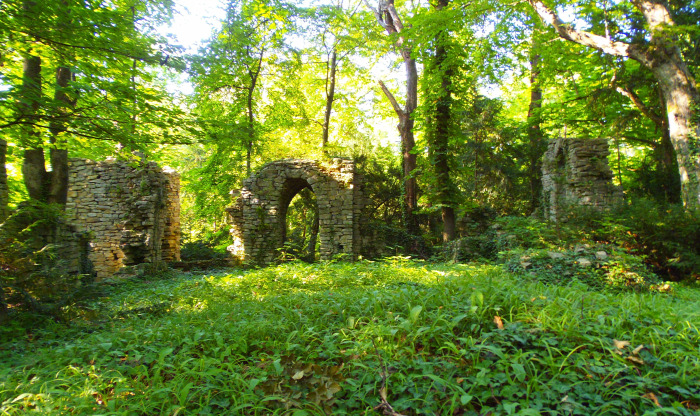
point(300, 236)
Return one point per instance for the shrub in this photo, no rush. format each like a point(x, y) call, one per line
point(388, 240)
point(599, 267)
point(667, 235)
point(211, 246)
point(33, 271)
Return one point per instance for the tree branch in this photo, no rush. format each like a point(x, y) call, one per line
point(378, 15)
point(392, 100)
point(49, 41)
point(601, 43)
point(655, 13)
point(639, 104)
point(391, 10)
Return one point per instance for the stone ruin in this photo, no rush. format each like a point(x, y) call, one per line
point(575, 172)
point(128, 214)
point(258, 216)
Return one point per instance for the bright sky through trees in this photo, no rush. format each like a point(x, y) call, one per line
point(195, 21)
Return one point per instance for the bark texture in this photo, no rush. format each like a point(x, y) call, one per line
point(678, 88)
point(4, 189)
point(254, 74)
point(389, 19)
point(537, 145)
point(330, 95)
point(58, 183)
point(33, 165)
point(439, 140)
point(665, 156)
point(34, 173)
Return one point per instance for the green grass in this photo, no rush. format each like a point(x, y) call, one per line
point(333, 338)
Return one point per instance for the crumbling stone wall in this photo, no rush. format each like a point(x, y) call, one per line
point(575, 172)
point(258, 216)
point(130, 210)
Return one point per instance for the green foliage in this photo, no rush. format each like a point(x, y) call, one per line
point(204, 250)
point(397, 241)
point(645, 241)
point(667, 235)
point(342, 338)
point(599, 267)
point(32, 271)
point(301, 215)
point(117, 60)
point(381, 185)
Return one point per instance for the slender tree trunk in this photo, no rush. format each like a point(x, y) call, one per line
point(389, 19)
point(313, 238)
point(4, 189)
point(535, 136)
point(330, 93)
point(668, 169)
point(251, 131)
point(33, 165)
point(253, 73)
point(409, 143)
point(439, 146)
point(58, 187)
point(410, 162)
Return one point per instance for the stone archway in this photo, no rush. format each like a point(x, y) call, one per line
point(258, 216)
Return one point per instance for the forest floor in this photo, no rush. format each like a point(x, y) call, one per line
point(392, 337)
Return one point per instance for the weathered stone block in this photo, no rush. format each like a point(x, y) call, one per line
point(124, 206)
point(575, 172)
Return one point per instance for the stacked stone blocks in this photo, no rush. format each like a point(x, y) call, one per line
point(575, 172)
point(258, 216)
point(130, 210)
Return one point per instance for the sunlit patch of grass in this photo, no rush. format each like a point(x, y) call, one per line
point(342, 337)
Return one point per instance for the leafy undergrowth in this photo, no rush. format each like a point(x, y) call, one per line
point(361, 338)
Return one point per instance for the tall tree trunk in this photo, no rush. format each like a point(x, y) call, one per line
point(58, 187)
point(667, 167)
point(410, 162)
point(665, 156)
point(663, 58)
point(313, 238)
point(680, 95)
point(253, 73)
point(330, 94)
point(389, 19)
point(33, 165)
point(536, 145)
point(439, 145)
point(34, 173)
point(127, 143)
point(4, 189)
point(251, 131)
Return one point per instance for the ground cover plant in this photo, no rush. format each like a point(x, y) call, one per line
point(359, 338)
